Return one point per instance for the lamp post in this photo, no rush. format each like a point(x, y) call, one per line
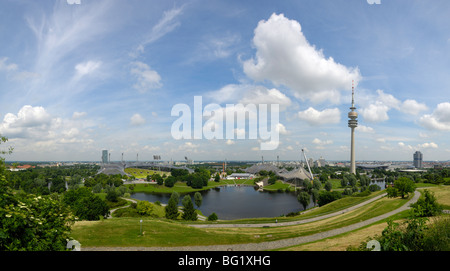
point(141, 226)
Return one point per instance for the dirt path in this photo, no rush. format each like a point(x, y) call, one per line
point(272, 244)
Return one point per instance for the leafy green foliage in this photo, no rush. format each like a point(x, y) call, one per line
point(198, 199)
point(85, 204)
point(188, 210)
point(144, 208)
point(304, 198)
point(427, 205)
point(212, 217)
point(171, 208)
point(30, 222)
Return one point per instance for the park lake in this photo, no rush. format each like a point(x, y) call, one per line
point(238, 202)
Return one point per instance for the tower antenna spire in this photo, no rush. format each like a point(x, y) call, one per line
point(353, 93)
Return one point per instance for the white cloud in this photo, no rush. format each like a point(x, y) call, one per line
point(27, 120)
point(315, 117)
point(36, 132)
point(365, 129)
point(147, 78)
point(375, 112)
point(427, 145)
point(137, 120)
point(78, 115)
point(165, 25)
point(439, 119)
point(412, 107)
point(7, 67)
point(249, 94)
point(281, 129)
point(261, 95)
point(230, 142)
point(86, 68)
point(321, 144)
point(13, 72)
point(379, 106)
point(285, 57)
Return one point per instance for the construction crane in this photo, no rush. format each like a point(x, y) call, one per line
point(310, 173)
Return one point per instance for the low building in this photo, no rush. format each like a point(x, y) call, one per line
point(237, 176)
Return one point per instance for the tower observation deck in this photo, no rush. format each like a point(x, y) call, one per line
point(353, 123)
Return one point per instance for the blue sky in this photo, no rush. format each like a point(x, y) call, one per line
point(79, 78)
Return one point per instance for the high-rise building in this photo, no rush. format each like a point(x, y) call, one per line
point(353, 123)
point(418, 158)
point(105, 156)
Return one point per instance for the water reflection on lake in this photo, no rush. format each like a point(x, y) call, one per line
point(235, 202)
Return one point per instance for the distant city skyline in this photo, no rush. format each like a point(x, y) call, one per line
point(76, 79)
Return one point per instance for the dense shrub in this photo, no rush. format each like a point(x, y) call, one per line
point(85, 204)
point(328, 196)
point(212, 217)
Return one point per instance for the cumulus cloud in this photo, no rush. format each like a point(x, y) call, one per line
point(321, 143)
point(147, 78)
point(27, 120)
point(249, 94)
point(315, 117)
point(137, 120)
point(33, 129)
point(377, 110)
point(412, 107)
point(78, 115)
point(285, 57)
point(427, 145)
point(365, 129)
point(439, 119)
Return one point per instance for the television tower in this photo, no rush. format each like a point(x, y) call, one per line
point(353, 123)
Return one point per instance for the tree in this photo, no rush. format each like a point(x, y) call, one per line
point(317, 184)
point(327, 197)
point(427, 205)
point(212, 217)
point(197, 181)
point(171, 208)
point(272, 179)
point(188, 209)
point(315, 195)
point(111, 194)
point(198, 199)
point(217, 178)
point(304, 198)
point(344, 181)
point(144, 207)
point(30, 222)
point(170, 181)
point(85, 204)
point(328, 186)
point(159, 180)
point(404, 186)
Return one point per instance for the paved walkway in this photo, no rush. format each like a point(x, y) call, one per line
point(272, 244)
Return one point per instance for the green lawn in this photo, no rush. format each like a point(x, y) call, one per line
point(142, 173)
point(279, 185)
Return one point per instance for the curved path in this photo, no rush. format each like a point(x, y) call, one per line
point(272, 244)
